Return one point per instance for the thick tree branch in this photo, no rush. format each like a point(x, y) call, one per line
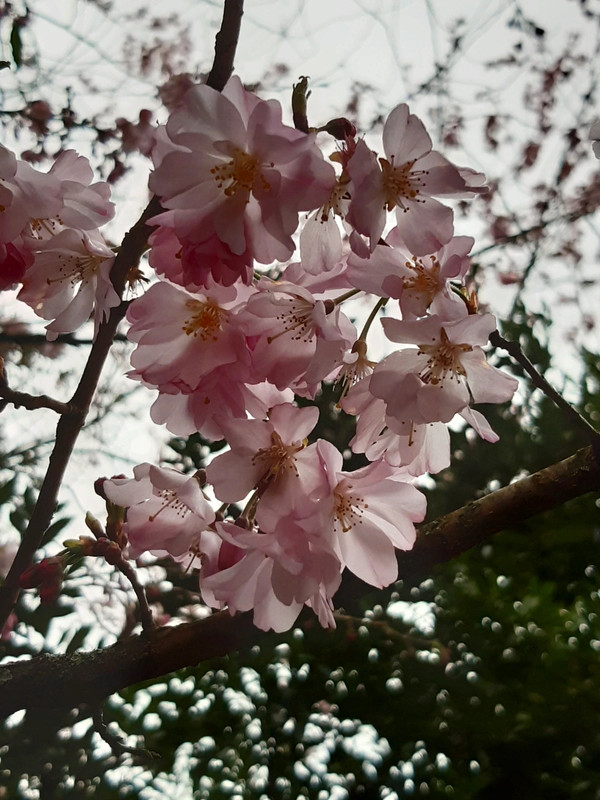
point(52, 681)
point(69, 426)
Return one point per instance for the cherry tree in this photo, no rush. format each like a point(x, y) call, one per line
point(309, 319)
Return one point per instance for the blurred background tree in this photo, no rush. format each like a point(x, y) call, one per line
point(477, 681)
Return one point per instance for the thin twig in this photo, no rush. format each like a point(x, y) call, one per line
point(115, 743)
point(514, 349)
point(128, 571)
point(32, 402)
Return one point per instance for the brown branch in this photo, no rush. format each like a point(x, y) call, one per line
point(69, 426)
point(68, 680)
point(32, 402)
point(226, 44)
point(538, 380)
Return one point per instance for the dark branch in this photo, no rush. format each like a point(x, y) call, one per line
point(538, 380)
point(51, 681)
point(226, 44)
point(30, 401)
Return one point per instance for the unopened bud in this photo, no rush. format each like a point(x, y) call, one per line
point(340, 128)
point(94, 525)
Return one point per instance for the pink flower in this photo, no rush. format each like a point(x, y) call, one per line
point(417, 448)
point(26, 195)
point(182, 337)
point(299, 337)
point(70, 277)
point(196, 266)
point(279, 573)
point(420, 283)
point(167, 512)
point(266, 455)
point(406, 180)
point(445, 374)
point(218, 397)
point(85, 205)
point(236, 171)
point(370, 512)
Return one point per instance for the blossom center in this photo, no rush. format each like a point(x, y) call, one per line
point(297, 319)
point(237, 176)
point(205, 320)
point(400, 183)
point(443, 359)
point(76, 269)
point(348, 508)
point(276, 459)
point(424, 281)
point(334, 204)
point(170, 500)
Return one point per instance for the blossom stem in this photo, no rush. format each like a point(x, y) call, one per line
point(128, 571)
point(346, 296)
point(379, 304)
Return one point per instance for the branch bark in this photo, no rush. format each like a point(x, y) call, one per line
point(86, 678)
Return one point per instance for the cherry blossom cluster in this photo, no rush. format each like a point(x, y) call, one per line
point(50, 242)
point(261, 243)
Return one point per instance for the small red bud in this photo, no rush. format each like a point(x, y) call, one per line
point(113, 554)
point(340, 128)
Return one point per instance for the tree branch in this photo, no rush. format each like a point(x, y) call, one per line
point(69, 426)
point(538, 380)
point(226, 44)
point(54, 681)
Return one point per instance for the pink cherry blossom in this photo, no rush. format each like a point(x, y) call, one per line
point(370, 512)
point(167, 512)
point(196, 265)
point(280, 572)
point(85, 205)
point(264, 455)
point(219, 396)
point(445, 374)
point(298, 337)
point(406, 181)
point(417, 448)
point(182, 337)
point(26, 196)
point(420, 283)
point(68, 279)
point(238, 172)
